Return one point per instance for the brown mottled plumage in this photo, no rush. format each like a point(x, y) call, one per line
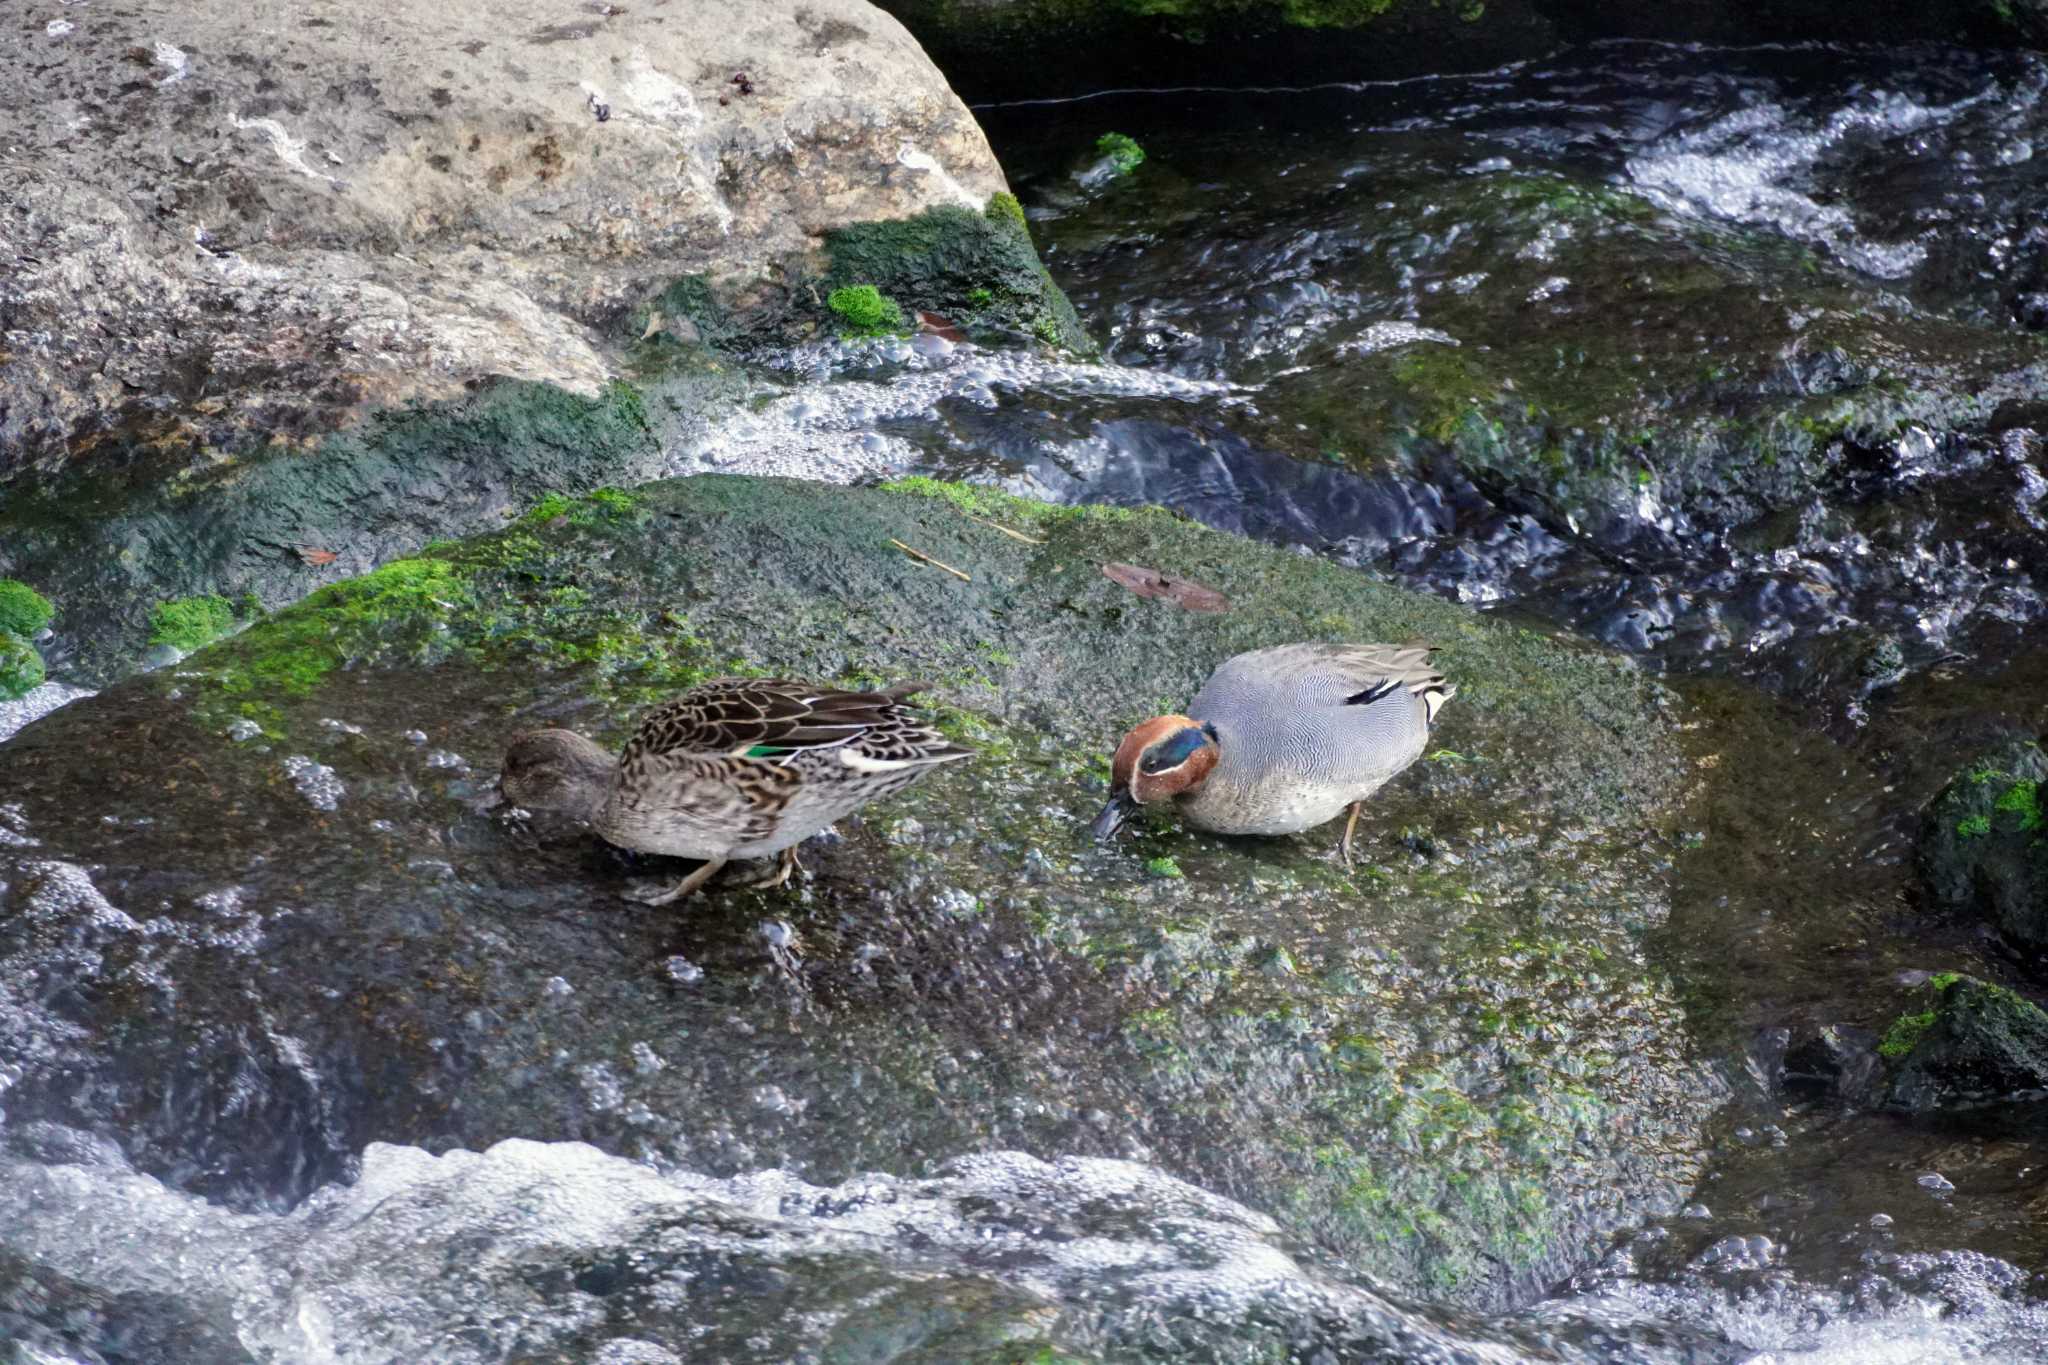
point(736, 768)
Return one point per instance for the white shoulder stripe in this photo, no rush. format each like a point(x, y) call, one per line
point(861, 763)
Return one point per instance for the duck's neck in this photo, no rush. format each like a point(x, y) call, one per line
point(592, 772)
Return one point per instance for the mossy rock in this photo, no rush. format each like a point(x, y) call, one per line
point(23, 610)
point(1984, 844)
point(1452, 1066)
point(113, 547)
point(978, 270)
point(21, 667)
point(1968, 1042)
point(190, 622)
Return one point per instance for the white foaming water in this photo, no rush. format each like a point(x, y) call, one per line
point(35, 704)
point(825, 429)
point(451, 1257)
point(1756, 166)
point(1965, 1311)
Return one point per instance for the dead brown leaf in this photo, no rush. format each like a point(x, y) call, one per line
point(1152, 583)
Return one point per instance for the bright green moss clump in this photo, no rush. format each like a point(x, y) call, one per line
point(190, 622)
point(1905, 1031)
point(23, 610)
point(1120, 151)
point(1004, 208)
point(865, 310)
point(21, 668)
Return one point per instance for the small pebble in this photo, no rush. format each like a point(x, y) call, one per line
point(682, 971)
point(1880, 1220)
point(1936, 1182)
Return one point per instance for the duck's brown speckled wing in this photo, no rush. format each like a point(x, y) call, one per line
point(775, 718)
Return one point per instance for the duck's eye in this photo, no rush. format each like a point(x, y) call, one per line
point(1171, 753)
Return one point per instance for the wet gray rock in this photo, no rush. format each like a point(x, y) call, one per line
point(1458, 1072)
point(223, 235)
point(1974, 1043)
point(1984, 848)
point(1837, 1063)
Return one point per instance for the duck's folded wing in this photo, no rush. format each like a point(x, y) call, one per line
point(762, 718)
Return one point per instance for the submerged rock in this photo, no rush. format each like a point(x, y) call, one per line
point(1984, 848)
point(1453, 1067)
point(1837, 1063)
point(1975, 1043)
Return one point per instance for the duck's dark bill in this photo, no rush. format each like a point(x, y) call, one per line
point(1113, 815)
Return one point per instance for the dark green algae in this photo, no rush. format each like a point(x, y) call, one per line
point(1452, 1068)
point(114, 540)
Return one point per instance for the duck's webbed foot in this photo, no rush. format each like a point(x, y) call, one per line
point(785, 864)
point(659, 893)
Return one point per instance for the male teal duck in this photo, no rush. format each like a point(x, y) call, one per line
point(1281, 740)
point(736, 768)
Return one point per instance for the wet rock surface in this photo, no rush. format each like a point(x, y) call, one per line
point(289, 932)
point(1984, 848)
point(1975, 1043)
point(228, 236)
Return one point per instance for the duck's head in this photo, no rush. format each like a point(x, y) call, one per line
point(1159, 759)
point(557, 770)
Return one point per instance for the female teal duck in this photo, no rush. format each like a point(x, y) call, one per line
point(1281, 740)
point(737, 768)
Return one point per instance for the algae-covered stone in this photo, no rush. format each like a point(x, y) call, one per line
point(1984, 845)
point(977, 269)
point(21, 667)
point(1972, 1042)
point(279, 525)
point(1453, 1066)
point(23, 610)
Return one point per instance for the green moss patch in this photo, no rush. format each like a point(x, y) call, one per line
point(1122, 152)
point(864, 311)
point(23, 610)
point(1983, 849)
point(21, 667)
point(191, 622)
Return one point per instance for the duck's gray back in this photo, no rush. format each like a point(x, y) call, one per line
point(1294, 749)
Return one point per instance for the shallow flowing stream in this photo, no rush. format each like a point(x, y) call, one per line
point(1621, 234)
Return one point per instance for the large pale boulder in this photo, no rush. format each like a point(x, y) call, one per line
point(233, 226)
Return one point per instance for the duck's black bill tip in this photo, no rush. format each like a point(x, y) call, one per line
point(1113, 815)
